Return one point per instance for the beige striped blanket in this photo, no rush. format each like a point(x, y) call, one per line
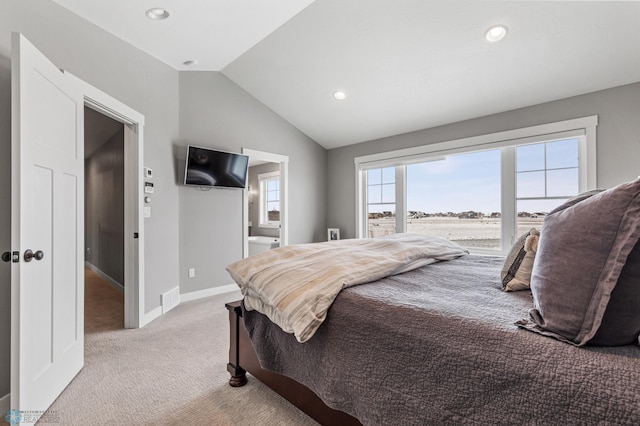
point(295, 285)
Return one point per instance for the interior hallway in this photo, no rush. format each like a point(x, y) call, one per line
point(103, 304)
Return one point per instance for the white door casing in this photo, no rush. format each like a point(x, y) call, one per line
point(133, 121)
point(47, 296)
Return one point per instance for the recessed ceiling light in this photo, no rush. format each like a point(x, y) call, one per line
point(190, 62)
point(339, 95)
point(496, 33)
point(157, 13)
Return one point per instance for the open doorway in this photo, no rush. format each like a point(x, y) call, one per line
point(133, 122)
point(104, 222)
point(264, 206)
point(265, 202)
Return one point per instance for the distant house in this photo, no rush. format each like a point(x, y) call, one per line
point(470, 215)
point(416, 215)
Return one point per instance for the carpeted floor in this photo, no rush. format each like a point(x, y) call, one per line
point(171, 372)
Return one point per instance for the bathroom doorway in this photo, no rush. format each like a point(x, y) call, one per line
point(265, 202)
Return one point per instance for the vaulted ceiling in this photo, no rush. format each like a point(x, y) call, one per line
point(404, 65)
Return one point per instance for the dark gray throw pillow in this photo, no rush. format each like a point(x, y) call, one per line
point(516, 272)
point(585, 280)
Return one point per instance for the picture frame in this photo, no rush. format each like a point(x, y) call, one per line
point(333, 234)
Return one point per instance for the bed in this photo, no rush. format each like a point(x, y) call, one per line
point(440, 345)
point(437, 345)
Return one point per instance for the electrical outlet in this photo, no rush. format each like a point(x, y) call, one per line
point(192, 272)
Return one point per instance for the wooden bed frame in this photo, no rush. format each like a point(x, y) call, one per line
point(243, 359)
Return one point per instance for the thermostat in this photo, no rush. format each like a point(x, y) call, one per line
point(148, 187)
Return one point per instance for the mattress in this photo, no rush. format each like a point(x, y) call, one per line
point(438, 345)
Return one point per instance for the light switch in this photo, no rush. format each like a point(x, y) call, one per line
point(147, 211)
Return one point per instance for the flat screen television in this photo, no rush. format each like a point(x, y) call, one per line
point(211, 168)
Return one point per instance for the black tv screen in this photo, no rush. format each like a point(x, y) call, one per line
point(208, 167)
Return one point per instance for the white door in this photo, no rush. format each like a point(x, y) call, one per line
point(47, 295)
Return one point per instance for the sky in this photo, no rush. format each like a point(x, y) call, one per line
point(471, 181)
point(456, 184)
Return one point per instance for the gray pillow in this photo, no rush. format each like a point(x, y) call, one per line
point(581, 260)
point(621, 321)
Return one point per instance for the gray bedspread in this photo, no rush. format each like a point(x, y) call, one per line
point(438, 346)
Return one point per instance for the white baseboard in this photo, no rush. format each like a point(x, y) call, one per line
point(104, 276)
point(193, 295)
point(150, 316)
point(5, 405)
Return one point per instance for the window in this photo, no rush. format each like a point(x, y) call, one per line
point(480, 192)
point(269, 199)
point(457, 198)
point(381, 201)
point(547, 174)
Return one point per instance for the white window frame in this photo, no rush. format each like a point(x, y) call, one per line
point(263, 178)
point(400, 197)
point(584, 129)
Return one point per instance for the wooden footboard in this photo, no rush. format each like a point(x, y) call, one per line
point(243, 359)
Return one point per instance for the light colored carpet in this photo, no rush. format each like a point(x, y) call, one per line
point(171, 372)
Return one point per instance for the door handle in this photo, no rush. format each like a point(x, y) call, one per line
point(6, 256)
point(30, 255)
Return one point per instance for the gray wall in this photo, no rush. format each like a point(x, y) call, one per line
point(134, 78)
point(216, 113)
point(5, 225)
point(254, 200)
point(618, 139)
point(211, 110)
point(104, 208)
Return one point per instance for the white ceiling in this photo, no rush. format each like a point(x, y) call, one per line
point(213, 32)
point(404, 64)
